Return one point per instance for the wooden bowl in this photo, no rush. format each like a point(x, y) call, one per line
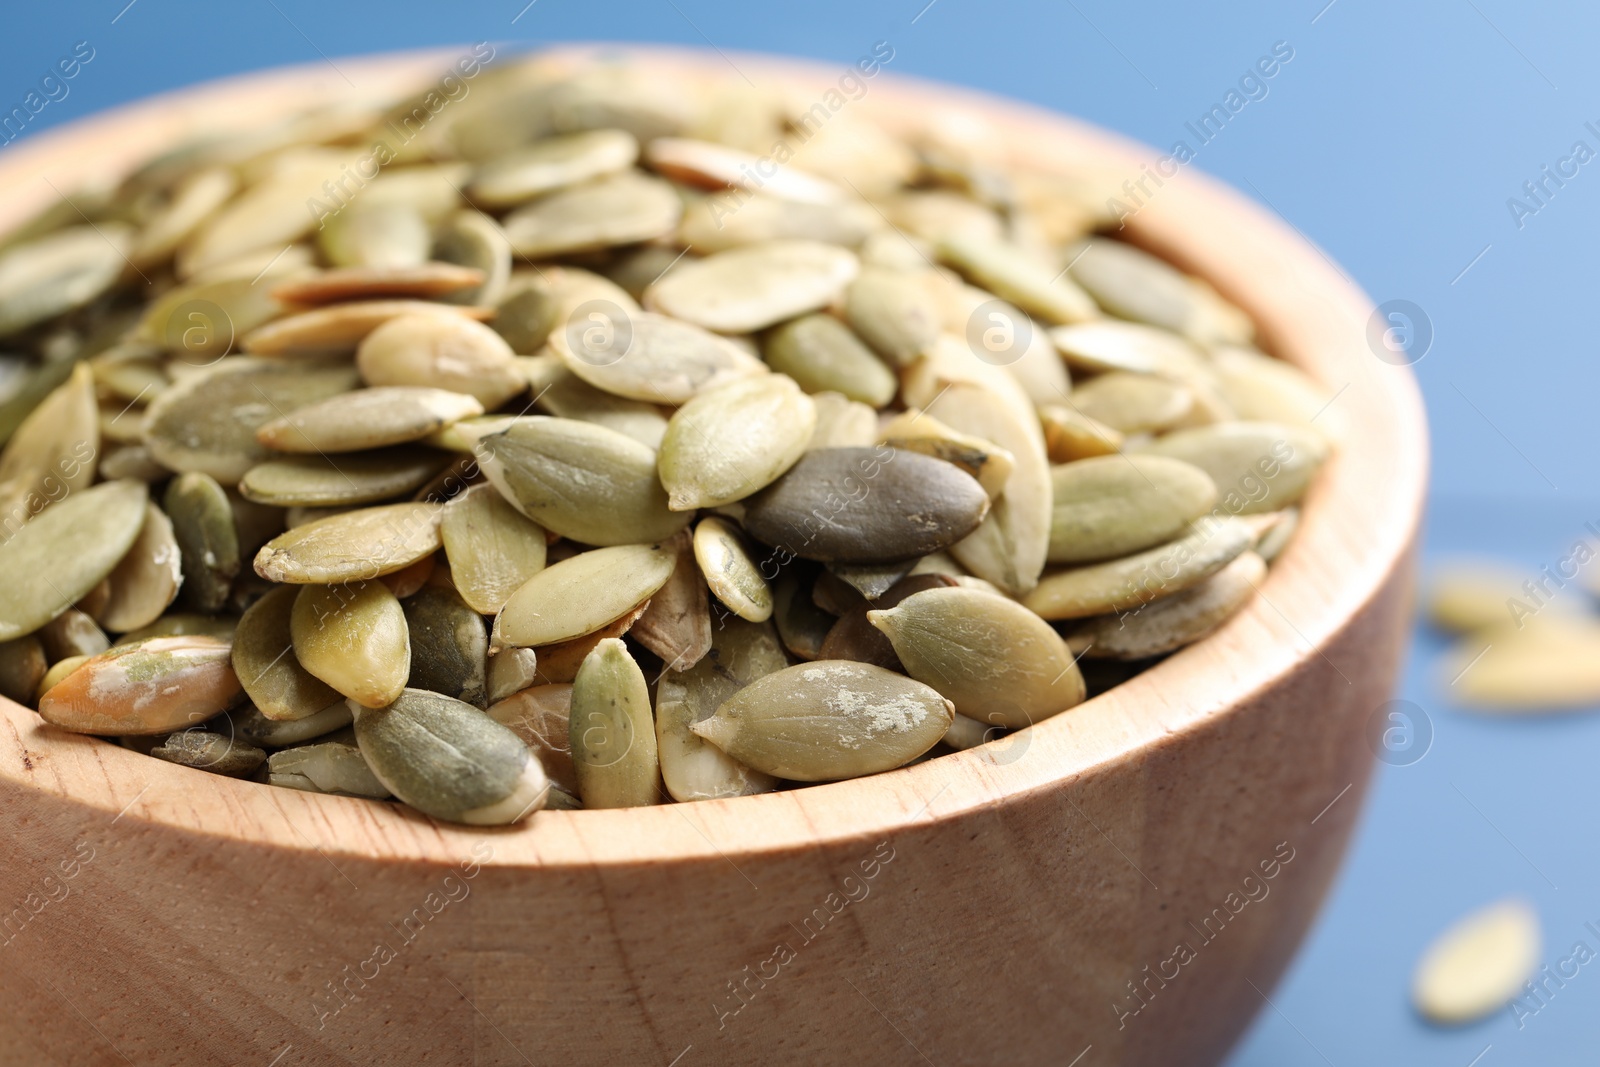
point(1129, 878)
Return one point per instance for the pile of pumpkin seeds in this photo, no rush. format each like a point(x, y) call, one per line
point(613, 439)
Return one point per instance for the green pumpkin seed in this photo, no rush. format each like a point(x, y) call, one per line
point(802, 625)
point(183, 624)
point(677, 623)
point(53, 561)
point(339, 329)
point(22, 668)
point(917, 431)
point(620, 209)
point(732, 575)
point(1257, 466)
point(154, 687)
point(537, 301)
point(449, 760)
point(475, 240)
point(1103, 347)
point(828, 720)
point(1479, 965)
point(540, 716)
point(821, 353)
point(367, 418)
point(52, 452)
point(449, 646)
point(612, 732)
point(1177, 620)
point(191, 202)
point(732, 220)
point(551, 164)
point(1133, 284)
point(281, 689)
point(441, 352)
point(1071, 435)
point(353, 478)
point(270, 214)
point(147, 579)
point(648, 357)
point(493, 548)
point(894, 313)
point(250, 725)
point(842, 423)
point(853, 635)
point(1271, 543)
point(375, 234)
point(1260, 388)
point(1117, 505)
point(333, 766)
point(1120, 584)
point(207, 751)
point(39, 383)
point(731, 441)
point(1134, 403)
point(933, 214)
point(50, 275)
point(691, 767)
point(72, 633)
point(1012, 275)
point(207, 538)
point(750, 288)
point(512, 670)
point(354, 638)
point(563, 394)
point(580, 595)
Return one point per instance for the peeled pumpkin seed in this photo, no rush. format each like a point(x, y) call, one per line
point(715, 166)
point(352, 546)
point(731, 220)
point(621, 209)
point(1011, 274)
point(250, 725)
point(422, 280)
point(49, 275)
point(375, 234)
point(156, 686)
point(473, 239)
point(493, 548)
point(1177, 620)
point(729, 442)
point(917, 431)
point(580, 480)
point(1117, 505)
point(353, 478)
point(1069, 434)
point(22, 667)
point(1550, 662)
point(449, 353)
point(691, 767)
point(822, 354)
point(1109, 345)
point(72, 633)
point(853, 635)
point(537, 300)
point(1478, 965)
point(750, 288)
point(449, 760)
point(842, 423)
point(643, 356)
point(207, 539)
point(191, 202)
point(1270, 545)
point(580, 595)
point(271, 213)
point(354, 638)
point(264, 659)
point(996, 661)
point(1133, 284)
point(540, 717)
point(207, 751)
point(612, 733)
point(147, 578)
point(367, 418)
point(1134, 403)
point(333, 766)
point(449, 646)
point(1257, 466)
point(1467, 595)
point(677, 623)
point(338, 329)
point(828, 720)
point(53, 561)
point(510, 671)
point(550, 164)
point(732, 575)
point(1260, 388)
point(562, 393)
point(52, 452)
point(894, 313)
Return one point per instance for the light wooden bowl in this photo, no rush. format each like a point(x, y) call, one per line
point(992, 907)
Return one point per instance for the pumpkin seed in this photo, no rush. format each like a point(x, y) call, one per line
point(72, 633)
point(250, 725)
point(1103, 347)
point(551, 164)
point(272, 677)
point(828, 720)
point(354, 638)
point(367, 418)
point(562, 393)
point(1177, 620)
point(647, 357)
point(22, 668)
point(1117, 505)
point(917, 431)
point(35, 387)
point(996, 661)
point(130, 461)
point(580, 480)
point(611, 732)
point(715, 166)
point(473, 239)
point(1069, 435)
point(449, 760)
point(732, 575)
point(449, 353)
point(620, 209)
point(1467, 595)
point(147, 579)
point(1271, 543)
point(375, 234)
point(449, 646)
point(191, 202)
point(580, 595)
point(750, 288)
point(540, 717)
point(421, 280)
point(894, 313)
point(333, 766)
point(823, 354)
point(1134, 403)
point(493, 549)
point(1257, 466)
point(1478, 965)
point(1132, 284)
point(842, 423)
point(537, 301)
point(207, 751)
point(1260, 388)
point(59, 672)
point(354, 478)
point(270, 214)
point(676, 625)
point(732, 220)
point(853, 636)
point(183, 624)
point(731, 441)
point(1012, 275)
point(53, 451)
point(337, 330)
point(1119, 584)
point(154, 687)
point(207, 539)
point(1547, 663)
point(802, 625)
point(49, 275)
point(53, 561)
point(511, 671)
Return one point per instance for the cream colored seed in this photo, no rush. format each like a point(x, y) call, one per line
point(337, 330)
point(146, 581)
point(354, 638)
point(648, 357)
point(550, 164)
point(441, 352)
point(732, 575)
point(279, 687)
point(756, 286)
point(730, 442)
point(493, 548)
point(580, 595)
point(352, 546)
point(1478, 965)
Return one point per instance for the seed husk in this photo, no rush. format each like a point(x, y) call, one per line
point(1070, 435)
point(750, 288)
point(643, 356)
point(368, 418)
point(1117, 585)
point(53, 561)
point(354, 638)
point(691, 767)
point(1114, 506)
point(49, 275)
point(72, 633)
point(1177, 620)
point(441, 352)
point(207, 422)
point(512, 670)
point(580, 595)
point(1013, 275)
point(207, 538)
point(449, 760)
point(22, 668)
point(842, 423)
point(449, 646)
point(493, 548)
point(355, 478)
point(153, 687)
point(611, 731)
point(252, 726)
point(339, 329)
point(562, 393)
point(996, 661)
point(917, 431)
point(580, 480)
point(147, 578)
point(734, 578)
point(676, 625)
point(53, 451)
point(828, 720)
point(207, 751)
point(1134, 403)
point(620, 209)
point(540, 716)
point(823, 354)
point(732, 441)
point(280, 689)
point(1478, 965)
point(894, 313)
point(550, 164)
point(333, 766)
point(1257, 466)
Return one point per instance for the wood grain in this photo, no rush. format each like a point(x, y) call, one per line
point(1018, 891)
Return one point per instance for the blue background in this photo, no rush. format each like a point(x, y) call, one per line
point(1393, 139)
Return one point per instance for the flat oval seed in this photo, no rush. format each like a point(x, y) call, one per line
point(894, 313)
point(208, 540)
point(44, 277)
point(354, 638)
point(995, 660)
point(643, 356)
point(207, 422)
point(53, 451)
point(540, 716)
point(1259, 387)
point(717, 166)
point(449, 760)
point(621, 209)
point(272, 677)
point(828, 720)
point(676, 625)
point(191, 202)
point(1257, 466)
point(156, 686)
point(207, 751)
point(492, 547)
point(511, 670)
point(1120, 584)
point(562, 393)
point(441, 352)
point(552, 164)
point(355, 478)
point(732, 441)
point(422, 280)
point(333, 766)
point(368, 418)
point(352, 546)
point(580, 480)
point(53, 561)
point(1548, 663)
point(750, 288)
point(822, 354)
point(1102, 347)
point(1117, 505)
point(473, 239)
point(1478, 965)
point(1177, 620)
point(337, 330)
point(580, 595)
point(1466, 595)
point(73, 633)
point(372, 234)
point(252, 726)
point(183, 624)
point(1134, 403)
point(732, 575)
point(1133, 284)
point(612, 731)
point(1011, 274)
point(866, 505)
point(449, 646)
point(730, 220)
point(146, 580)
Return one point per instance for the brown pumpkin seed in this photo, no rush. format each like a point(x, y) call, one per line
point(154, 687)
point(338, 330)
point(917, 431)
point(802, 625)
point(421, 280)
point(560, 662)
point(207, 751)
point(207, 539)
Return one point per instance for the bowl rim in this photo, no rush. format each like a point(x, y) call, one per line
point(1358, 522)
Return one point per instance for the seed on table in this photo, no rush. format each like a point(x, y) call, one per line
point(540, 716)
point(1550, 662)
point(263, 657)
point(828, 720)
point(676, 625)
point(620, 209)
point(732, 441)
point(1465, 595)
point(1070, 435)
point(1478, 965)
point(207, 751)
point(855, 505)
point(156, 686)
point(338, 329)
point(353, 545)
point(446, 352)
point(1013, 275)
point(449, 646)
point(643, 356)
point(510, 671)
point(72, 633)
point(823, 354)
point(894, 313)
point(580, 595)
point(367, 418)
point(353, 478)
point(612, 732)
point(250, 725)
point(1257, 466)
point(333, 765)
point(551, 163)
point(492, 547)
point(1116, 505)
point(1177, 620)
point(691, 767)
point(449, 760)
point(734, 578)
point(917, 431)
point(22, 668)
point(354, 638)
point(750, 288)
point(1134, 403)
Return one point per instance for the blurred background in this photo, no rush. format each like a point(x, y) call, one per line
point(1397, 138)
